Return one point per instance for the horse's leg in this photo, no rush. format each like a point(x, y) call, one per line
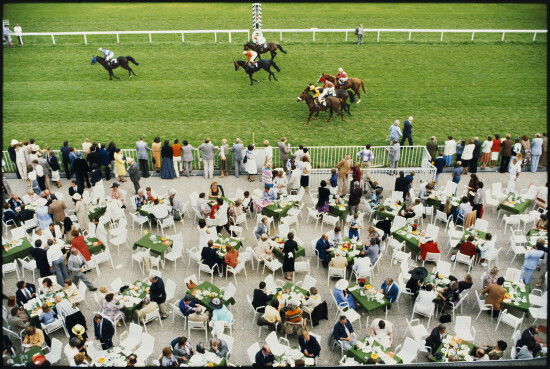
point(131, 70)
point(273, 74)
point(273, 53)
point(330, 114)
point(358, 95)
point(251, 79)
point(111, 71)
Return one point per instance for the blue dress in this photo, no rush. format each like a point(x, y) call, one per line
point(44, 218)
point(167, 170)
point(340, 297)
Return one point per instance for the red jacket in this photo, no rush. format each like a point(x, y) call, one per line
point(80, 244)
point(468, 248)
point(430, 246)
point(342, 75)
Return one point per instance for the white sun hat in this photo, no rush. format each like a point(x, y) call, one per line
point(342, 284)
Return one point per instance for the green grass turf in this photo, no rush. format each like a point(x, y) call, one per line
point(190, 90)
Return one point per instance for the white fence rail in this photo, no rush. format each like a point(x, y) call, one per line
point(323, 158)
point(313, 31)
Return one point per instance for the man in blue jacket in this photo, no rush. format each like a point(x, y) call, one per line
point(342, 332)
point(104, 331)
point(390, 290)
point(157, 293)
point(65, 152)
point(322, 247)
point(407, 132)
point(105, 161)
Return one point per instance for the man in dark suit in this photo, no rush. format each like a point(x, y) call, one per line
point(322, 247)
point(209, 256)
point(434, 339)
point(65, 151)
point(407, 132)
point(41, 257)
point(529, 337)
point(11, 153)
point(9, 216)
point(505, 154)
point(25, 292)
point(75, 188)
point(401, 183)
point(475, 156)
point(342, 332)
point(264, 357)
point(309, 345)
point(261, 298)
point(390, 290)
point(24, 214)
point(157, 293)
point(93, 157)
point(104, 331)
point(81, 170)
point(105, 160)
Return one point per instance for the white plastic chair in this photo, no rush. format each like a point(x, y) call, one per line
point(146, 348)
point(252, 351)
point(55, 351)
point(10, 267)
point(57, 324)
point(28, 264)
point(483, 306)
point(174, 254)
point(17, 233)
point(417, 330)
point(509, 319)
point(336, 272)
point(443, 267)
point(206, 269)
point(133, 337)
point(426, 311)
point(408, 351)
point(513, 275)
point(201, 326)
point(463, 259)
point(116, 284)
point(464, 328)
point(149, 317)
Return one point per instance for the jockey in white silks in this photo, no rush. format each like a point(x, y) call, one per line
point(342, 76)
point(108, 54)
point(259, 39)
point(328, 89)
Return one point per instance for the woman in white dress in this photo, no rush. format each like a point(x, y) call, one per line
point(250, 166)
point(224, 150)
point(264, 250)
point(81, 211)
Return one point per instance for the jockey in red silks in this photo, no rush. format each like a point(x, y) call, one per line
point(250, 56)
point(342, 76)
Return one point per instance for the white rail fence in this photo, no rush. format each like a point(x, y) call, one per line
point(313, 31)
point(323, 158)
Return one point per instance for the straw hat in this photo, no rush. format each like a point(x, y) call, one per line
point(41, 202)
point(77, 196)
point(129, 160)
point(342, 284)
point(14, 142)
point(78, 330)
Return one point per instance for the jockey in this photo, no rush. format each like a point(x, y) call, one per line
point(316, 94)
point(259, 39)
point(342, 76)
point(250, 56)
point(328, 89)
point(107, 53)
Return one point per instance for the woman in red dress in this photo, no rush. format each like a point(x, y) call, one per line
point(79, 243)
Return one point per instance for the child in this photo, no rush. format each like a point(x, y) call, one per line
point(48, 315)
point(354, 226)
point(333, 178)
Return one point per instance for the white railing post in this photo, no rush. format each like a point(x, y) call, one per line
point(150, 39)
point(182, 37)
point(441, 39)
point(473, 33)
point(85, 40)
point(281, 36)
point(503, 33)
point(346, 35)
point(378, 37)
point(534, 36)
point(215, 36)
point(53, 39)
point(410, 33)
point(118, 38)
point(230, 36)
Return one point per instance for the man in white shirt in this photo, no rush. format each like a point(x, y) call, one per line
point(17, 31)
point(382, 331)
point(299, 153)
point(513, 171)
point(56, 259)
point(280, 183)
point(366, 156)
point(362, 265)
point(202, 204)
point(449, 150)
point(97, 230)
point(424, 299)
point(39, 235)
point(335, 236)
point(294, 182)
point(30, 197)
point(86, 146)
point(39, 174)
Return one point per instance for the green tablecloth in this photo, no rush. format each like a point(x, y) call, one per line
point(94, 249)
point(26, 357)
point(291, 287)
point(45, 298)
point(523, 306)
point(337, 211)
point(222, 242)
point(478, 235)
point(17, 252)
point(388, 212)
point(519, 207)
point(158, 248)
point(438, 351)
point(205, 300)
point(534, 235)
point(97, 213)
point(276, 211)
point(140, 292)
point(436, 202)
point(212, 200)
point(149, 214)
point(278, 252)
point(363, 357)
point(365, 302)
point(410, 240)
point(358, 246)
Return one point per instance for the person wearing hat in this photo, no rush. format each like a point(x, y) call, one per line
point(81, 211)
point(220, 312)
point(133, 172)
point(341, 294)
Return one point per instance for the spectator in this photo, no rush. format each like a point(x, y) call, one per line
point(359, 32)
point(104, 331)
point(429, 246)
point(142, 148)
point(362, 265)
point(219, 347)
point(449, 150)
point(460, 149)
point(264, 357)
point(110, 308)
point(344, 168)
point(33, 337)
point(157, 293)
point(395, 131)
point(355, 197)
point(486, 148)
point(495, 295)
point(505, 154)
point(323, 248)
point(250, 165)
point(490, 277)
point(76, 265)
point(133, 172)
point(231, 257)
point(394, 151)
point(193, 311)
point(475, 155)
point(434, 339)
point(289, 255)
point(207, 149)
point(120, 166)
point(260, 298)
point(48, 315)
point(458, 170)
point(263, 228)
point(432, 148)
point(513, 174)
point(407, 132)
point(466, 284)
point(182, 349)
point(467, 155)
point(168, 358)
point(305, 170)
point(343, 332)
point(536, 151)
point(495, 149)
point(531, 262)
point(341, 294)
point(390, 290)
point(176, 151)
point(284, 149)
point(237, 150)
point(382, 331)
point(309, 345)
point(366, 156)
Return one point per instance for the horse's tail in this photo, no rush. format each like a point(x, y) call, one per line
point(132, 60)
point(275, 66)
point(363, 85)
point(281, 48)
point(351, 96)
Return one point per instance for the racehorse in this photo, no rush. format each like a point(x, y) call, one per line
point(271, 47)
point(342, 95)
point(333, 104)
point(352, 83)
point(122, 61)
point(256, 66)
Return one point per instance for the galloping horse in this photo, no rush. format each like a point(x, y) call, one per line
point(256, 66)
point(352, 83)
point(271, 47)
point(122, 61)
point(333, 104)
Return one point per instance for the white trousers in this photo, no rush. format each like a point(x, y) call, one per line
point(208, 166)
point(22, 168)
point(511, 185)
point(177, 165)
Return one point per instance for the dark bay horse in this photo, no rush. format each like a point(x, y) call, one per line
point(352, 83)
point(121, 61)
point(333, 104)
point(256, 66)
point(271, 47)
point(343, 95)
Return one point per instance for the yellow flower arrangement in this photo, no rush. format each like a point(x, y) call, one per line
point(368, 286)
point(374, 356)
point(210, 364)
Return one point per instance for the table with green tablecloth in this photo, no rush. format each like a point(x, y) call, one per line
point(404, 234)
point(222, 242)
point(388, 209)
point(358, 246)
point(148, 210)
point(132, 297)
point(366, 302)
point(292, 288)
point(440, 356)
point(212, 200)
point(339, 210)
point(437, 201)
point(25, 358)
point(97, 212)
point(94, 249)
point(33, 308)
point(534, 235)
point(211, 292)
point(277, 210)
point(22, 249)
point(515, 291)
point(278, 251)
point(372, 352)
point(515, 204)
point(154, 243)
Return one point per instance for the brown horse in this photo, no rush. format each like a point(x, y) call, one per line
point(271, 47)
point(333, 104)
point(352, 83)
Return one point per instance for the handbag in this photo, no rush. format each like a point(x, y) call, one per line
point(245, 159)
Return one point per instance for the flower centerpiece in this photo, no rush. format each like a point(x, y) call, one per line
point(414, 227)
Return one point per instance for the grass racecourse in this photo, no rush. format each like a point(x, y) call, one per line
point(189, 90)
